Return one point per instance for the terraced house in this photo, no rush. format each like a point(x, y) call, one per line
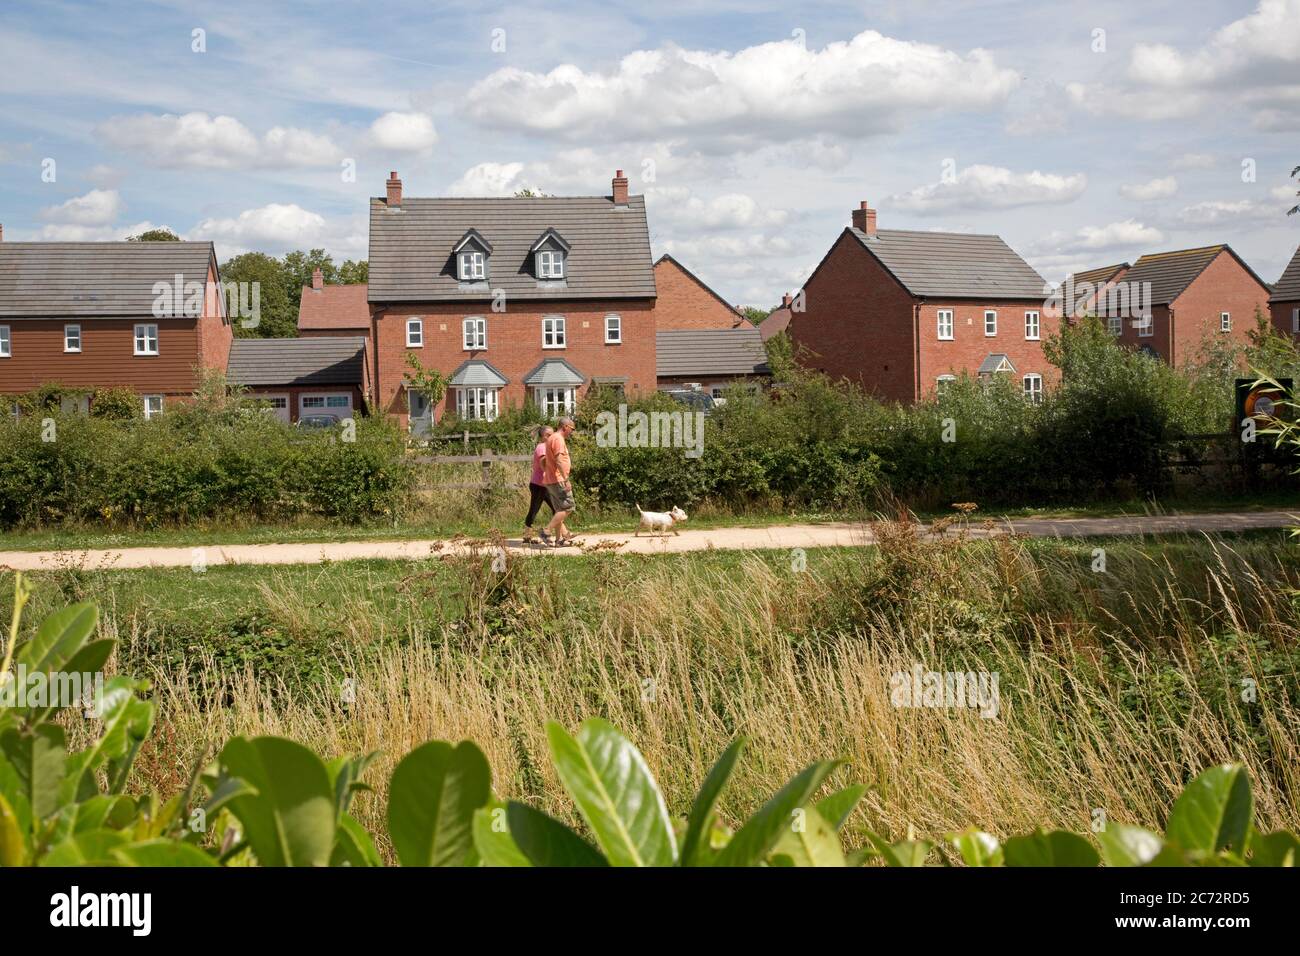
point(513, 299)
point(1172, 304)
point(903, 312)
point(148, 316)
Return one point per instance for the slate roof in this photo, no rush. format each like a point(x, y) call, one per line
point(92, 279)
point(1287, 288)
point(737, 351)
point(1170, 273)
point(476, 372)
point(953, 264)
point(993, 362)
point(334, 307)
point(313, 361)
point(554, 371)
point(411, 248)
point(1099, 276)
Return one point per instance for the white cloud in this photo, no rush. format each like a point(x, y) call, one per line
point(1194, 161)
point(764, 93)
point(991, 187)
point(1161, 188)
point(404, 132)
point(1219, 211)
point(489, 179)
point(1116, 235)
point(214, 142)
point(75, 232)
point(745, 246)
point(275, 225)
point(99, 207)
point(678, 207)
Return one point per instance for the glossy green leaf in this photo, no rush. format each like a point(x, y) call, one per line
point(289, 818)
point(1214, 811)
point(615, 792)
point(86, 661)
point(976, 847)
point(91, 848)
point(904, 853)
point(13, 840)
point(837, 807)
point(353, 846)
point(1279, 848)
point(58, 638)
point(810, 840)
point(1124, 845)
point(492, 839)
point(705, 808)
point(431, 802)
point(1057, 848)
point(545, 841)
point(39, 759)
point(752, 842)
point(162, 853)
point(345, 776)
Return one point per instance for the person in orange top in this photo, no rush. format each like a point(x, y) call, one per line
point(559, 490)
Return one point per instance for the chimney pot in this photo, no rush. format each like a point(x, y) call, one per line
point(864, 219)
point(394, 189)
point(620, 188)
point(317, 278)
point(786, 300)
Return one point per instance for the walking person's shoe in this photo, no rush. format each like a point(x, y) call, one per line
point(544, 537)
point(529, 534)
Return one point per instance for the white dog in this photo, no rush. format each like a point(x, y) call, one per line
point(661, 521)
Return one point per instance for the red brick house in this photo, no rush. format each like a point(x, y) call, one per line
point(778, 320)
point(324, 378)
point(685, 302)
point(333, 311)
point(148, 316)
point(901, 312)
point(515, 299)
point(1284, 301)
point(1170, 304)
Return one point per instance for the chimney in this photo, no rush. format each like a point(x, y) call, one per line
point(394, 189)
point(317, 279)
point(2, 232)
point(786, 300)
point(864, 219)
point(620, 189)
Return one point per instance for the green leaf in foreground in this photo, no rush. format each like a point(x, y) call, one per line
point(615, 793)
point(492, 839)
point(431, 802)
point(1057, 848)
point(546, 841)
point(704, 809)
point(753, 841)
point(1214, 811)
point(289, 817)
point(1123, 845)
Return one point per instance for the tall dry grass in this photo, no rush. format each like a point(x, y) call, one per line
point(1109, 682)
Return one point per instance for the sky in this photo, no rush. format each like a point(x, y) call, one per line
point(1084, 133)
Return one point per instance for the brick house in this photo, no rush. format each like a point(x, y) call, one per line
point(1170, 304)
point(686, 302)
point(1284, 301)
point(901, 312)
point(778, 320)
point(148, 316)
point(324, 378)
point(333, 311)
point(513, 299)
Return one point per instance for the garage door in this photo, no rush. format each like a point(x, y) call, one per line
point(338, 404)
point(278, 405)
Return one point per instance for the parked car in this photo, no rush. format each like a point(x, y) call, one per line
point(700, 401)
point(318, 420)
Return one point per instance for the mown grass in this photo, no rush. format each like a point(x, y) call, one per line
point(1116, 686)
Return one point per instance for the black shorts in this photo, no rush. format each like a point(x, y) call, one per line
point(560, 497)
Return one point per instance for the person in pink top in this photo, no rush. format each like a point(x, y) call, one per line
point(536, 484)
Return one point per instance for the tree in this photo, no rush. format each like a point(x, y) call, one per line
point(1296, 208)
point(754, 314)
point(279, 313)
point(155, 235)
point(528, 192)
point(354, 273)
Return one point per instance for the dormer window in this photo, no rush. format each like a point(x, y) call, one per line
point(473, 266)
point(549, 254)
point(550, 264)
point(471, 257)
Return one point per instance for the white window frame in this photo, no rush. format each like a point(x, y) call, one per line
point(69, 333)
point(1225, 321)
point(555, 400)
point(553, 328)
point(482, 400)
point(1146, 326)
point(1033, 320)
point(143, 337)
point(951, 325)
point(1032, 384)
point(1295, 320)
point(990, 314)
point(613, 329)
point(550, 264)
point(415, 333)
point(471, 266)
point(473, 334)
point(942, 382)
point(148, 400)
point(1115, 325)
point(6, 342)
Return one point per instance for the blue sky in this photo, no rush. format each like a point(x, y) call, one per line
point(1083, 133)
